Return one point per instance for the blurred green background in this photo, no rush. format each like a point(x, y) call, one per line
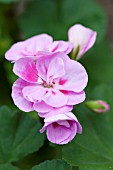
point(21, 19)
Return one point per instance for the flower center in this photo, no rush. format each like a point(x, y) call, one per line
point(55, 124)
point(50, 85)
point(35, 54)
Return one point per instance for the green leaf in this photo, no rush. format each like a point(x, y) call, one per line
point(5, 43)
point(95, 145)
point(7, 1)
point(53, 165)
point(96, 168)
point(8, 167)
point(11, 77)
point(99, 64)
point(19, 135)
point(56, 16)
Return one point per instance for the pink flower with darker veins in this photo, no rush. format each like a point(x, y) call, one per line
point(61, 128)
point(52, 81)
point(37, 46)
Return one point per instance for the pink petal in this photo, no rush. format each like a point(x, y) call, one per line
point(29, 47)
point(56, 118)
point(15, 52)
point(82, 37)
point(25, 68)
point(60, 110)
point(42, 107)
point(18, 97)
point(37, 43)
point(55, 98)
point(74, 98)
point(79, 128)
point(44, 62)
point(71, 116)
point(73, 129)
point(44, 128)
point(60, 117)
point(57, 134)
point(56, 69)
point(42, 65)
point(64, 123)
point(75, 78)
point(34, 93)
point(61, 46)
point(47, 111)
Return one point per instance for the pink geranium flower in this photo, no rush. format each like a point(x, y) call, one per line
point(61, 128)
point(50, 82)
point(82, 38)
point(37, 46)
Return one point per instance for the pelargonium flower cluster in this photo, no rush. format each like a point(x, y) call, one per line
point(50, 82)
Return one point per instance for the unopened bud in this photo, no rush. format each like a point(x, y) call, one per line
point(98, 106)
point(82, 39)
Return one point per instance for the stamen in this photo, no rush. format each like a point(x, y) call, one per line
point(55, 124)
point(35, 54)
point(53, 82)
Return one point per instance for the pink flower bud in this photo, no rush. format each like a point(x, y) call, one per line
point(82, 38)
point(61, 128)
point(98, 106)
